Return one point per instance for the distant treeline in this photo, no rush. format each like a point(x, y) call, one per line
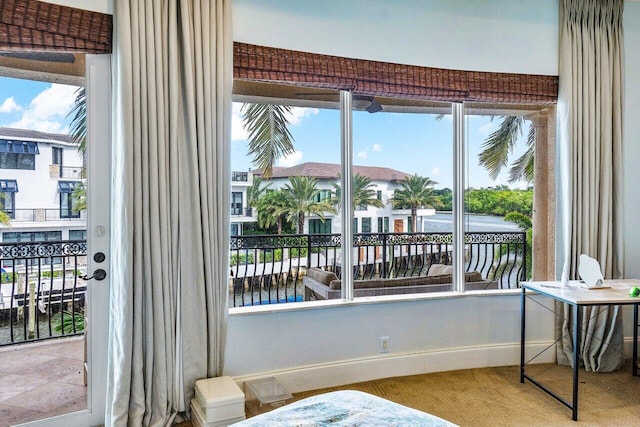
point(493, 201)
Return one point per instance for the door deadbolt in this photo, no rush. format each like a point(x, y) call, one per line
point(99, 257)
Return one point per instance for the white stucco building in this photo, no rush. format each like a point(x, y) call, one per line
point(367, 219)
point(38, 173)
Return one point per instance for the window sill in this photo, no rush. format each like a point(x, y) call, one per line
point(313, 305)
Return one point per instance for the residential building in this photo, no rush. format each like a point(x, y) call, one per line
point(38, 173)
point(241, 212)
point(367, 219)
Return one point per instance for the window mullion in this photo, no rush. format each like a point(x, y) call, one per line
point(346, 145)
point(457, 111)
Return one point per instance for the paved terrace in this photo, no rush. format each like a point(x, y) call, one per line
point(41, 380)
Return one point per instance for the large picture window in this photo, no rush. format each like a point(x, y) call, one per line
point(420, 198)
point(18, 154)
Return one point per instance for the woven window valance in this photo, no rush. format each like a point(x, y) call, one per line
point(260, 63)
point(31, 25)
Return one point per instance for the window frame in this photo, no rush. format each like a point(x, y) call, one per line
point(10, 195)
point(484, 92)
point(66, 198)
point(366, 220)
point(57, 155)
point(347, 147)
point(235, 211)
point(319, 226)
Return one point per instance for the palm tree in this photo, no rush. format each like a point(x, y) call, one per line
point(362, 193)
point(416, 192)
point(79, 121)
point(270, 207)
point(80, 198)
point(269, 136)
point(79, 136)
point(300, 194)
point(5, 219)
point(256, 191)
point(499, 145)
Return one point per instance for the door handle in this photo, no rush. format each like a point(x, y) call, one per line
point(99, 274)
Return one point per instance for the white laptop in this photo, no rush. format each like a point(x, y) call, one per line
point(590, 273)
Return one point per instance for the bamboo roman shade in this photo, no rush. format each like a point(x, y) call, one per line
point(260, 63)
point(31, 25)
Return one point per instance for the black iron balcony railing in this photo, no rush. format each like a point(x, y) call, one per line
point(268, 269)
point(248, 211)
point(239, 176)
point(41, 293)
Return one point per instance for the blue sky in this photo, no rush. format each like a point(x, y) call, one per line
point(27, 104)
point(412, 143)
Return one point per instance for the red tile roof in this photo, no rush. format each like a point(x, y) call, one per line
point(332, 171)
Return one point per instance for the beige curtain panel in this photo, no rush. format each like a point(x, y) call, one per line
point(590, 174)
point(172, 79)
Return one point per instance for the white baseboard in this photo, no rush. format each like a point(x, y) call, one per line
point(394, 365)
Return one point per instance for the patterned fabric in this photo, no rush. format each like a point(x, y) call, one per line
point(344, 408)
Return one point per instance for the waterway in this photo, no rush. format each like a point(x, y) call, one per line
point(443, 222)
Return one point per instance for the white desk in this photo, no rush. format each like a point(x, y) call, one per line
point(578, 297)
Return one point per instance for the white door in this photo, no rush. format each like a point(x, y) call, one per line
point(98, 86)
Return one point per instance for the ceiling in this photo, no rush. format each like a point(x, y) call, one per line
point(49, 67)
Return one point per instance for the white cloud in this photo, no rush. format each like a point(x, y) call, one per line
point(435, 171)
point(362, 155)
point(237, 131)
point(48, 111)
point(291, 160)
point(299, 113)
point(488, 128)
point(377, 147)
point(9, 106)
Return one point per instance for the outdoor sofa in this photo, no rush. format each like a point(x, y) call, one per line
point(322, 285)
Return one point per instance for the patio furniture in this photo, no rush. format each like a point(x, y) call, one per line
point(322, 285)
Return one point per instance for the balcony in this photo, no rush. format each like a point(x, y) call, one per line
point(239, 176)
point(73, 172)
point(47, 214)
point(268, 269)
point(42, 356)
point(239, 214)
point(41, 292)
point(42, 380)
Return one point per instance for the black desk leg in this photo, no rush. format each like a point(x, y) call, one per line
point(522, 326)
point(635, 340)
point(576, 360)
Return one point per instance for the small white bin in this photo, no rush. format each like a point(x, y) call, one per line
point(219, 399)
point(197, 417)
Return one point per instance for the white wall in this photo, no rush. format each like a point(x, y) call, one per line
point(340, 344)
point(499, 35)
point(103, 6)
point(319, 347)
point(632, 138)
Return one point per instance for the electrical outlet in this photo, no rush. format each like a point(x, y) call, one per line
point(384, 344)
